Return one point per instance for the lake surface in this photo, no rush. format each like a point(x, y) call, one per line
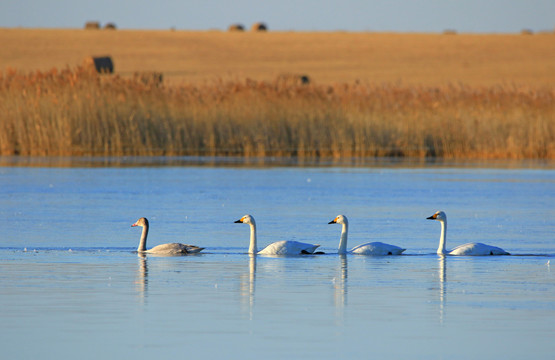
point(73, 287)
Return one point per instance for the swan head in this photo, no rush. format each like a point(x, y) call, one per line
point(141, 222)
point(339, 219)
point(439, 216)
point(247, 219)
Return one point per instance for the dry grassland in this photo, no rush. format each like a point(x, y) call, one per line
point(412, 59)
point(455, 96)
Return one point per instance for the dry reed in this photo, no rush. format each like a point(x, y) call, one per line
point(78, 112)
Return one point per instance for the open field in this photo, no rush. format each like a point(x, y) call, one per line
point(412, 59)
point(452, 96)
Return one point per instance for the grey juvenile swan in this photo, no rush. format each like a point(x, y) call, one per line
point(164, 249)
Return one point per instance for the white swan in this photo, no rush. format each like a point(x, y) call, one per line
point(164, 249)
point(278, 247)
point(373, 248)
point(470, 249)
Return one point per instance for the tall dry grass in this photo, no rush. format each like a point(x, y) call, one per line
point(77, 112)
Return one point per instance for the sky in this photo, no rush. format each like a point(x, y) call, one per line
point(473, 16)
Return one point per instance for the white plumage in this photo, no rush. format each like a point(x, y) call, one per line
point(372, 248)
point(469, 249)
point(278, 247)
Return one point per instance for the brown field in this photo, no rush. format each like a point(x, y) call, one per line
point(411, 59)
point(454, 96)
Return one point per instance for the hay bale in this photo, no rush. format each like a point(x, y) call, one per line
point(527, 32)
point(110, 26)
point(259, 26)
point(449, 32)
point(236, 27)
point(92, 25)
point(149, 78)
point(102, 64)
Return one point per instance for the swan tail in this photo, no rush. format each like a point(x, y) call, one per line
point(310, 250)
point(192, 249)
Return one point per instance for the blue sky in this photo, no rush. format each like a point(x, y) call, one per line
point(477, 16)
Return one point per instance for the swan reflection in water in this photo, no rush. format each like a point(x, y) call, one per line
point(340, 284)
point(142, 276)
point(442, 276)
point(247, 285)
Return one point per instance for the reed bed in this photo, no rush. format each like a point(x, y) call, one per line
point(78, 112)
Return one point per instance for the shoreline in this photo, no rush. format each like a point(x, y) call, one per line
point(268, 162)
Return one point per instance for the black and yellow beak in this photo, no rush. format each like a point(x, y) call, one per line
point(433, 217)
point(239, 221)
point(334, 221)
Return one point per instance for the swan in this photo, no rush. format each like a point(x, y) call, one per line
point(373, 248)
point(278, 247)
point(470, 249)
point(164, 249)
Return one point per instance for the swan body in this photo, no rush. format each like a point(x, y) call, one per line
point(278, 247)
point(163, 249)
point(470, 249)
point(372, 248)
point(377, 248)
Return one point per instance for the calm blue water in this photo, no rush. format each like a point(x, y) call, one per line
point(72, 287)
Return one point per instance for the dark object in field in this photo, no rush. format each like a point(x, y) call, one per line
point(92, 25)
point(110, 26)
point(236, 27)
point(102, 64)
point(259, 26)
point(527, 32)
point(293, 79)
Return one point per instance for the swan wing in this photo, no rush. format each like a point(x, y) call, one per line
point(174, 249)
point(477, 249)
point(288, 248)
point(192, 249)
point(377, 248)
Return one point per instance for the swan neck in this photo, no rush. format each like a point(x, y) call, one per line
point(441, 248)
point(252, 246)
point(142, 243)
point(343, 240)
